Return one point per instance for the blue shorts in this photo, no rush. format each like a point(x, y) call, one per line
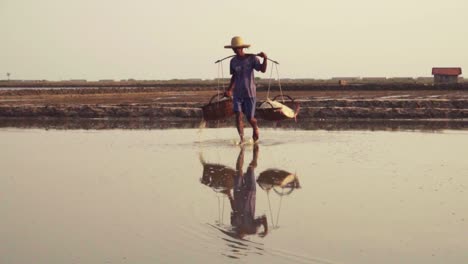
point(245, 105)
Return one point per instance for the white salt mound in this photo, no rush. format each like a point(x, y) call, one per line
point(288, 112)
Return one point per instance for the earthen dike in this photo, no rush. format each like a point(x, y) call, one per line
point(183, 99)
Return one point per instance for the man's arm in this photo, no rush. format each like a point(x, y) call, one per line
point(264, 64)
point(232, 84)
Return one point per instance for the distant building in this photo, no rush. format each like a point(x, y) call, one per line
point(342, 83)
point(446, 75)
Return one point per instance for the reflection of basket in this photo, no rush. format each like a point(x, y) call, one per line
point(273, 111)
point(218, 177)
point(218, 109)
point(277, 178)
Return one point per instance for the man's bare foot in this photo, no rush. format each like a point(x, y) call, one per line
point(255, 135)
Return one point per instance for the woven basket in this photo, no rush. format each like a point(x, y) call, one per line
point(218, 108)
point(276, 113)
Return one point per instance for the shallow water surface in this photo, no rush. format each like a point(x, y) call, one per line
point(181, 196)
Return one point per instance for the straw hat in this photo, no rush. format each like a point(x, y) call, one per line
point(237, 42)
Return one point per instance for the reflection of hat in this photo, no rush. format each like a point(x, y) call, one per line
point(237, 42)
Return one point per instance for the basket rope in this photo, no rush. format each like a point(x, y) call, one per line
point(221, 84)
point(279, 82)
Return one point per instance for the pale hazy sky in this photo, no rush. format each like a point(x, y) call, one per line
point(152, 39)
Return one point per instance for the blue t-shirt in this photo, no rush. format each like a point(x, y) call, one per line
point(242, 68)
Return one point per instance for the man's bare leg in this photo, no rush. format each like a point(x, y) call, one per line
point(255, 134)
point(240, 126)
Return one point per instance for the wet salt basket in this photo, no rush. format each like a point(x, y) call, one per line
point(273, 110)
point(219, 107)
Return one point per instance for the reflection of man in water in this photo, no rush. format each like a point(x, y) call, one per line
point(243, 204)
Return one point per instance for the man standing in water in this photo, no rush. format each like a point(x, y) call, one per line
point(242, 86)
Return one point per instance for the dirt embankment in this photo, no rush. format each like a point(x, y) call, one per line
point(311, 109)
point(186, 102)
point(199, 84)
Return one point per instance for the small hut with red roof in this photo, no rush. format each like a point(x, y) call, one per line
point(446, 75)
